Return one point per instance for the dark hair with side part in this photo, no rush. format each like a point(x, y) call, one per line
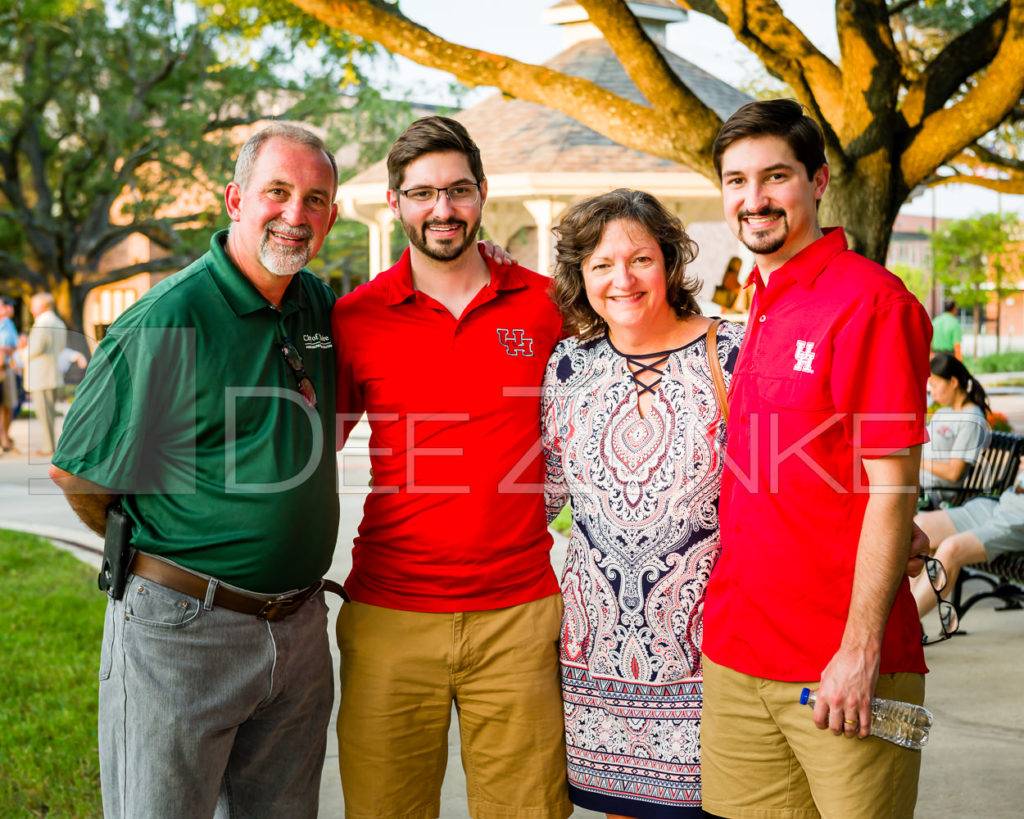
point(948, 366)
point(431, 135)
point(579, 233)
point(786, 119)
point(250, 151)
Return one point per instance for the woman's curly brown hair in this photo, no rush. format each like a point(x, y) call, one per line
point(579, 233)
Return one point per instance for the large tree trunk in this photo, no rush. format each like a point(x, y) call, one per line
point(861, 199)
point(70, 301)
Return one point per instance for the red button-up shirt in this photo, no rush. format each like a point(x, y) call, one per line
point(832, 371)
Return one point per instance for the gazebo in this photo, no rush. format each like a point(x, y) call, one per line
point(538, 160)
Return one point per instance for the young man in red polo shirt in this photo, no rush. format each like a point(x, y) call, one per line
point(826, 421)
point(453, 595)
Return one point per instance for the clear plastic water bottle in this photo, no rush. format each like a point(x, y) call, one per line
point(904, 723)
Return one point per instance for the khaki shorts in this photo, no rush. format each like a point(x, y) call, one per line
point(400, 673)
point(762, 756)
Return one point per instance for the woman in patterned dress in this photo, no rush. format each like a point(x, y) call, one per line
point(634, 439)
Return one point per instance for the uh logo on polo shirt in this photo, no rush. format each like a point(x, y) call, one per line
point(516, 341)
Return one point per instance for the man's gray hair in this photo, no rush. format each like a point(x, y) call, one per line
point(44, 299)
point(283, 130)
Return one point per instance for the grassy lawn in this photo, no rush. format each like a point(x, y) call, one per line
point(1012, 361)
point(50, 642)
point(563, 523)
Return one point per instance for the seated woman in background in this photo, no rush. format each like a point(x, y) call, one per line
point(958, 430)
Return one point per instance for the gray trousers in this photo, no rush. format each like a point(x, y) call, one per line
point(207, 712)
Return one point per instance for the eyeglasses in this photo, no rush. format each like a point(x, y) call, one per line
point(948, 618)
point(465, 193)
point(302, 381)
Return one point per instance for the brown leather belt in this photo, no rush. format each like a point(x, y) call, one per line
point(173, 577)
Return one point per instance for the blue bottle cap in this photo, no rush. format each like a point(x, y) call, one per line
point(804, 696)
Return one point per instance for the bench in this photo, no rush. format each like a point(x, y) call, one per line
point(994, 472)
point(1004, 579)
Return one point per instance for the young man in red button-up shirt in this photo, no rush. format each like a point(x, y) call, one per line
point(826, 420)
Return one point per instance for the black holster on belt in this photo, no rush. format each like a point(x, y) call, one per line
point(117, 552)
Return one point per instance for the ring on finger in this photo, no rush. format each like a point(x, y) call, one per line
point(849, 722)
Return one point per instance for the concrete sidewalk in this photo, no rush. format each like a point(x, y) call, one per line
point(971, 768)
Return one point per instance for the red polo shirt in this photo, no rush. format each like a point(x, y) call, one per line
point(455, 520)
point(832, 370)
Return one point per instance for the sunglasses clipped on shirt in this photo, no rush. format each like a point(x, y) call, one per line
point(303, 382)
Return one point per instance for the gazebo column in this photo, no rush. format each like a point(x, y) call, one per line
point(544, 212)
point(380, 222)
point(503, 218)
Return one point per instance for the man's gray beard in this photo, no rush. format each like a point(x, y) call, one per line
point(283, 261)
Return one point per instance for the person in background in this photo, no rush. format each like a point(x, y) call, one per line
point(48, 336)
point(9, 387)
point(826, 422)
point(729, 291)
point(205, 423)
point(633, 437)
point(979, 531)
point(958, 429)
point(946, 331)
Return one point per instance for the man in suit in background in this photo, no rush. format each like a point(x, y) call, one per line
point(49, 335)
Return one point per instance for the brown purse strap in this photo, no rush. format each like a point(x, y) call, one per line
point(716, 369)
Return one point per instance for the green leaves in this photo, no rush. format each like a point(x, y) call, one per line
point(127, 113)
point(971, 256)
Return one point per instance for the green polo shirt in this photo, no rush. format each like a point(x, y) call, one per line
point(189, 409)
point(946, 333)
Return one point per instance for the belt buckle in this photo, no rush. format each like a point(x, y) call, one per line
point(278, 609)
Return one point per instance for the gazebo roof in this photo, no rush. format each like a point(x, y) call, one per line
point(517, 137)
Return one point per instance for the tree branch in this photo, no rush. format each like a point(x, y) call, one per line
point(708, 8)
point(962, 57)
point(159, 231)
point(872, 71)
point(1012, 186)
point(650, 71)
point(787, 53)
point(947, 131)
point(991, 159)
point(174, 262)
point(15, 268)
point(899, 8)
point(626, 122)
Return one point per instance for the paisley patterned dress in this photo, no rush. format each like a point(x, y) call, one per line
point(644, 495)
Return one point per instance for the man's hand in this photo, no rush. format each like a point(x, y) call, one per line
point(920, 545)
point(844, 696)
point(848, 681)
point(496, 252)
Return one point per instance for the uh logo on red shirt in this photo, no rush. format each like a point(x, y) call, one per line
point(516, 342)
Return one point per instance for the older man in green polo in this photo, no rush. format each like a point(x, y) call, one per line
point(208, 415)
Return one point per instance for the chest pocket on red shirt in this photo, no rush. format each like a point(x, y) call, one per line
point(808, 392)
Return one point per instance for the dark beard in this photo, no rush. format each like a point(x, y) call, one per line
point(766, 245)
point(444, 251)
